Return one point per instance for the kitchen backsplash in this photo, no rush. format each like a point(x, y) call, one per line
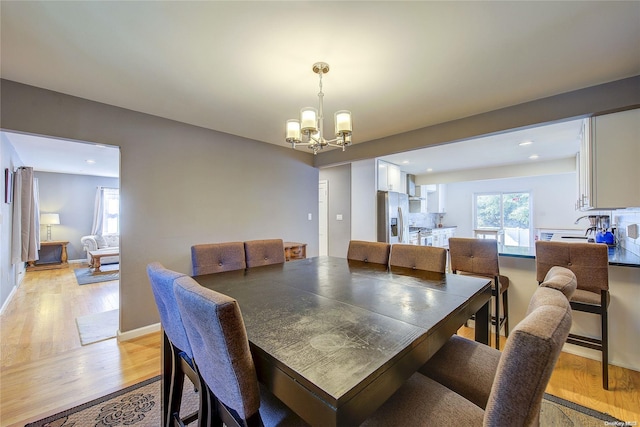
point(427, 220)
point(624, 218)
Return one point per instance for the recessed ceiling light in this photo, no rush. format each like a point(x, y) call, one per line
point(405, 162)
point(533, 156)
point(525, 143)
point(90, 161)
point(430, 170)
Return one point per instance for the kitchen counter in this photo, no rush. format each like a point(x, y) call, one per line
point(617, 256)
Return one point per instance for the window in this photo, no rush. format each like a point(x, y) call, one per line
point(110, 210)
point(106, 213)
point(510, 212)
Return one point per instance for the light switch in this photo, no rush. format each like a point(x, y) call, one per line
point(339, 217)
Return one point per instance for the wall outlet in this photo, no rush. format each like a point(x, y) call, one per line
point(309, 216)
point(339, 217)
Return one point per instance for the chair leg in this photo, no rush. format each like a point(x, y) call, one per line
point(605, 346)
point(497, 316)
point(505, 309)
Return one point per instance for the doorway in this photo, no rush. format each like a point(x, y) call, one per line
point(323, 217)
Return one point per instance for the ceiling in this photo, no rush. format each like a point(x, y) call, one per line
point(244, 67)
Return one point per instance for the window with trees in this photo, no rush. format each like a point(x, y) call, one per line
point(510, 212)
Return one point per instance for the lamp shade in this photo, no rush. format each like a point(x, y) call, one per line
point(49, 219)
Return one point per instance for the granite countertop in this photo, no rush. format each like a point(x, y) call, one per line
point(617, 256)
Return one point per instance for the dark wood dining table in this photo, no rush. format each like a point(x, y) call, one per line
point(334, 338)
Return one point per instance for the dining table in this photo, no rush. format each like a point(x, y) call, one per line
point(334, 338)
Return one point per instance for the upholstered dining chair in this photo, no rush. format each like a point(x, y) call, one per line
point(590, 263)
point(216, 330)
point(217, 257)
point(180, 356)
point(427, 258)
point(468, 368)
point(490, 387)
point(376, 252)
point(479, 257)
point(264, 252)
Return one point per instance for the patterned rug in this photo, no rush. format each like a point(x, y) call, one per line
point(86, 276)
point(140, 405)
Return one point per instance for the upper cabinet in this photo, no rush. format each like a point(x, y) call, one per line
point(436, 199)
point(607, 165)
point(390, 177)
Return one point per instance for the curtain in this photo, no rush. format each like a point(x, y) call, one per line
point(98, 207)
point(25, 240)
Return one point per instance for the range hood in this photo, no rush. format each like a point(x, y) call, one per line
point(412, 190)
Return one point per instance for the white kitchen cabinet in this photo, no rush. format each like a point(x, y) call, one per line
point(436, 200)
point(390, 177)
point(418, 203)
point(441, 236)
point(608, 170)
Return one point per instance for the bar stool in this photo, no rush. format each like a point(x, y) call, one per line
point(479, 257)
point(590, 263)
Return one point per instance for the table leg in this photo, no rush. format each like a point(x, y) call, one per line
point(96, 263)
point(482, 324)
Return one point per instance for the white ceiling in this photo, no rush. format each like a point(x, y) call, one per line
point(245, 67)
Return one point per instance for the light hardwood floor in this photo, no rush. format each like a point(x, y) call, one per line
point(45, 369)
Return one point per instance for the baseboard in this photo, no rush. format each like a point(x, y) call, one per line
point(8, 300)
point(135, 333)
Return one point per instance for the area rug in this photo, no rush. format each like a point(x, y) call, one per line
point(98, 326)
point(140, 405)
point(86, 276)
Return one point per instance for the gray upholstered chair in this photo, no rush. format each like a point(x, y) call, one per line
point(217, 257)
point(590, 263)
point(217, 333)
point(486, 387)
point(428, 258)
point(376, 252)
point(178, 355)
point(264, 252)
point(479, 257)
point(469, 368)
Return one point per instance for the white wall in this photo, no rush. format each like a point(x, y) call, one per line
point(553, 200)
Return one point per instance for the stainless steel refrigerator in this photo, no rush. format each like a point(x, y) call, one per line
point(393, 223)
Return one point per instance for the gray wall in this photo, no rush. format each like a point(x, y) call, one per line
point(179, 185)
point(586, 102)
point(339, 203)
point(9, 274)
point(73, 197)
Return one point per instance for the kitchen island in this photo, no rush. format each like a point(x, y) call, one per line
point(624, 317)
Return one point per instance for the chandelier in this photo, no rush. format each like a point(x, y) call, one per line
point(308, 131)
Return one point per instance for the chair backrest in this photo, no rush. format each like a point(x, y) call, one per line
point(376, 252)
point(161, 280)
point(527, 361)
point(264, 252)
point(588, 261)
point(561, 279)
point(220, 346)
point(427, 258)
point(477, 256)
point(217, 257)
